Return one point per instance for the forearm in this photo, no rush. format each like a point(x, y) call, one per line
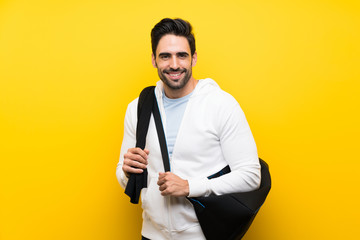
point(244, 179)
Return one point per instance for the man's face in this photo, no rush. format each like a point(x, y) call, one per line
point(174, 61)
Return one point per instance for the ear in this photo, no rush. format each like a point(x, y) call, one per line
point(194, 59)
point(153, 61)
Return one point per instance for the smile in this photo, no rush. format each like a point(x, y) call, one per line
point(174, 75)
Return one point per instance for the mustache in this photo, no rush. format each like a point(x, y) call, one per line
point(172, 70)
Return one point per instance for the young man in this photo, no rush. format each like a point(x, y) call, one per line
point(205, 130)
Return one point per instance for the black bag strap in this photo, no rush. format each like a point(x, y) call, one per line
point(145, 104)
point(161, 136)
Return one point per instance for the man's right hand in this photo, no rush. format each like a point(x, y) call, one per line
point(135, 160)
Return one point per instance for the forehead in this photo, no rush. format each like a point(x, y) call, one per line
point(172, 44)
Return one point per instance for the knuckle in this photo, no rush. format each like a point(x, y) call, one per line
point(131, 150)
point(137, 150)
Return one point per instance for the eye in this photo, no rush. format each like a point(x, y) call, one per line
point(164, 56)
point(183, 55)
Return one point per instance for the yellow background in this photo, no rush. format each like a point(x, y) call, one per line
point(68, 69)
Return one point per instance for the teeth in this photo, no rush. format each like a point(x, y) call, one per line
point(175, 75)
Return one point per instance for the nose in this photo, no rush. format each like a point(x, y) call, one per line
point(174, 63)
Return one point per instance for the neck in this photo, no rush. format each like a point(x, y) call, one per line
point(178, 93)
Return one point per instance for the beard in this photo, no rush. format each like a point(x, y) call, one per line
point(175, 84)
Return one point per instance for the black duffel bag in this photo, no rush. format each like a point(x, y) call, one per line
point(229, 216)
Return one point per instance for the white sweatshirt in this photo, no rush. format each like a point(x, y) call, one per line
point(213, 133)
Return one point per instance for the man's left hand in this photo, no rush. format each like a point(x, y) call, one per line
point(172, 185)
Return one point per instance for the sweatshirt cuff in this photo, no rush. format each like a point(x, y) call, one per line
point(124, 179)
point(198, 187)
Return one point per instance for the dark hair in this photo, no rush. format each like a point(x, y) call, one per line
point(177, 27)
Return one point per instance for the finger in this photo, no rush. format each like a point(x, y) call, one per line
point(160, 182)
point(134, 157)
point(131, 170)
point(162, 187)
point(166, 192)
point(139, 151)
point(134, 164)
point(161, 176)
point(161, 179)
point(147, 151)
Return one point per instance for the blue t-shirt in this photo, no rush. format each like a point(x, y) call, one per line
point(174, 110)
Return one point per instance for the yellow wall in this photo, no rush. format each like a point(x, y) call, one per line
point(69, 68)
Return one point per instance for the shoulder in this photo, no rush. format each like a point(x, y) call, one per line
point(132, 106)
point(210, 92)
point(131, 111)
point(133, 103)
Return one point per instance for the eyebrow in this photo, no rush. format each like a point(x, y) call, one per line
point(169, 54)
point(182, 53)
point(164, 54)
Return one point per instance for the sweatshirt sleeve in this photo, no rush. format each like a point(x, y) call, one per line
point(239, 150)
point(129, 140)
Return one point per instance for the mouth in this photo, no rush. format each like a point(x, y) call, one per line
point(174, 75)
